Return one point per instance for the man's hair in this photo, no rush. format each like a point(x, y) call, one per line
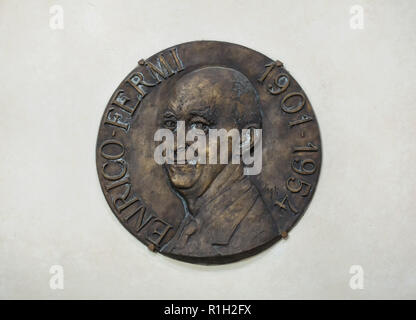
point(223, 85)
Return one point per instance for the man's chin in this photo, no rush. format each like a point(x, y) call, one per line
point(183, 176)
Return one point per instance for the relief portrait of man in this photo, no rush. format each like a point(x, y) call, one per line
point(224, 212)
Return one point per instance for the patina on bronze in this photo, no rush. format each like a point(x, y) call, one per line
point(208, 213)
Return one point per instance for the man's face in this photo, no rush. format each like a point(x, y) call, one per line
point(197, 114)
point(208, 99)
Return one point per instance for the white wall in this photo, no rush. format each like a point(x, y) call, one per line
point(54, 88)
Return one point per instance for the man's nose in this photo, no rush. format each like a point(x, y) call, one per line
point(182, 147)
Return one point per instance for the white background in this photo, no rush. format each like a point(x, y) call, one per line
point(55, 85)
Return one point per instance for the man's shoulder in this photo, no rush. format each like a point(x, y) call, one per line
point(258, 226)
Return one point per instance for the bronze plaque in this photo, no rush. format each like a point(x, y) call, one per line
point(170, 179)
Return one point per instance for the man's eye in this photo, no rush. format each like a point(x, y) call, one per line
point(170, 124)
point(200, 125)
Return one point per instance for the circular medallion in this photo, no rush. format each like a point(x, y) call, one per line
point(208, 152)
